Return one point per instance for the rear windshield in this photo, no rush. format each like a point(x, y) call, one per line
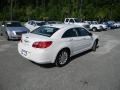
point(45, 31)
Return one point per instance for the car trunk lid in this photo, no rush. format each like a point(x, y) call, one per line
point(29, 38)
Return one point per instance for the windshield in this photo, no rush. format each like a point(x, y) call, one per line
point(13, 24)
point(94, 22)
point(40, 23)
point(45, 31)
point(77, 20)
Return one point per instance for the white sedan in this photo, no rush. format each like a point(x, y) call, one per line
point(56, 43)
point(32, 24)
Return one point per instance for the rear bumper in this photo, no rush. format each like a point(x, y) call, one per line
point(40, 56)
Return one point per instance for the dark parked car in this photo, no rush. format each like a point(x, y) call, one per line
point(12, 30)
point(110, 24)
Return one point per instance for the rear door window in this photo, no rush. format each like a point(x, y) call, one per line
point(70, 33)
point(82, 32)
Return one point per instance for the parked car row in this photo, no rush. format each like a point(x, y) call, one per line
point(93, 25)
point(33, 24)
point(96, 26)
point(39, 38)
point(77, 21)
point(12, 30)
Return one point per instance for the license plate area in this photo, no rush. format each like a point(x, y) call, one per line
point(24, 52)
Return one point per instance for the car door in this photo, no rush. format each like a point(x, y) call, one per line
point(70, 37)
point(85, 39)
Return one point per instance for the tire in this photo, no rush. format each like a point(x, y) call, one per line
point(94, 29)
point(94, 45)
point(1, 34)
point(62, 58)
point(7, 36)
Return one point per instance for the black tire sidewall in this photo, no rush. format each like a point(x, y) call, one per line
point(94, 46)
point(94, 29)
point(7, 36)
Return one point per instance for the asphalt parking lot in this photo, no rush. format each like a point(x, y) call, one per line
point(98, 70)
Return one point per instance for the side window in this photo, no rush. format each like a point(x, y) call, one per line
point(66, 20)
point(82, 32)
point(71, 21)
point(34, 23)
point(31, 23)
point(70, 33)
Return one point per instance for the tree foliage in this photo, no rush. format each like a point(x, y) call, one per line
point(24, 10)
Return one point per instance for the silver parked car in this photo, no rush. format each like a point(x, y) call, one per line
point(12, 30)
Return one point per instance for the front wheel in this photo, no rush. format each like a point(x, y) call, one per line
point(7, 36)
point(94, 29)
point(94, 45)
point(62, 58)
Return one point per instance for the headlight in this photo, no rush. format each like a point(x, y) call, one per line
point(13, 32)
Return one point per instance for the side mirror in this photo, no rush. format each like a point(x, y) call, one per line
point(90, 34)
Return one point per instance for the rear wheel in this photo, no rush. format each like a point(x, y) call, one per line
point(62, 58)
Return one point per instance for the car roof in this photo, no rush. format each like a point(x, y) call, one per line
point(36, 21)
point(8, 22)
point(71, 18)
point(12, 21)
point(61, 25)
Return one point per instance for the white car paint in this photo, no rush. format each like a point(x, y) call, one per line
point(76, 21)
point(32, 24)
point(48, 55)
point(117, 24)
point(95, 24)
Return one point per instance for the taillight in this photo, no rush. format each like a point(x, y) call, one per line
point(42, 44)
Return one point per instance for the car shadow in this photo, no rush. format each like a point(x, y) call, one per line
point(49, 65)
point(15, 40)
point(80, 55)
